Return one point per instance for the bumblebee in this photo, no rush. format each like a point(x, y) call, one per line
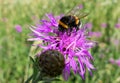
point(71, 20)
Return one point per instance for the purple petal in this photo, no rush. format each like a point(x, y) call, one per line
point(73, 64)
point(66, 72)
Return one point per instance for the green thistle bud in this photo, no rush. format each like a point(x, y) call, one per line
point(51, 63)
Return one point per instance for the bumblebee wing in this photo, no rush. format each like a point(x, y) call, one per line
point(76, 11)
point(81, 14)
point(73, 10)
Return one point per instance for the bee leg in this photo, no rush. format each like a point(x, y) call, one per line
point(77, 28)
point(71, 29)
point(61, 29)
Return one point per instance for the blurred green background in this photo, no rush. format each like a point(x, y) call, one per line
point(104, 21)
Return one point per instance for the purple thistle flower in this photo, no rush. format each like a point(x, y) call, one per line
point(118, 62)
point(81, 6)
point(115, 41)
point(88, 25)
point(74, 47)
point(18, 28)
point(95, 34)
point(117, 25)
point(104, 25)
point(112, 61)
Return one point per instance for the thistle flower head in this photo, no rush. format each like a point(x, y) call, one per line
point(74, 47)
